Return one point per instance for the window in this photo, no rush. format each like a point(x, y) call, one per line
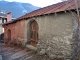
point(2, 20)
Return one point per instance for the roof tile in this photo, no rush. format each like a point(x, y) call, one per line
point(62, 6)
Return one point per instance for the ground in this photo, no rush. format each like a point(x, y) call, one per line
point(11, 52)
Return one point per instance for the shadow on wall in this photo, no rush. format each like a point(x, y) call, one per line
point(2, 38)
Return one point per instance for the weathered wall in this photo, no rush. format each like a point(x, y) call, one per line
point(1, 28)
point(1, 32)
point(55, 33)
point(17, 32)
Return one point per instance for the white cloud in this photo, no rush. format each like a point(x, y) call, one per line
point(40, 3)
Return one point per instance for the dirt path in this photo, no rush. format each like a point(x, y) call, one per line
point(10, 52)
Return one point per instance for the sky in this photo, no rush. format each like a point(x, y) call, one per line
point(39, 3)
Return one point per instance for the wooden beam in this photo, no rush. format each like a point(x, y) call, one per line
point(76, 4)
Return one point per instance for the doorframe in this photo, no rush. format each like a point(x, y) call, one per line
point(29, 32)
point(9, 35)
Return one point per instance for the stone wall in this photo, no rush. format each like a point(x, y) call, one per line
point(55, 34)
point(59, 35)
point(1, 29)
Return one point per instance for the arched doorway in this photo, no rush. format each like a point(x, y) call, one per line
point(33, 33)
point(9, 35)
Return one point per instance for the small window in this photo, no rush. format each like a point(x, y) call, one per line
point(2, 20)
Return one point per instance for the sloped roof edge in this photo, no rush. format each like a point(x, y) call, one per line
point(59, 7)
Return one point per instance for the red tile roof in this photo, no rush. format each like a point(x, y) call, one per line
point(62, 6)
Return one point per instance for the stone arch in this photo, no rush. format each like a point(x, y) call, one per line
point(9, 35)
point(32, 33)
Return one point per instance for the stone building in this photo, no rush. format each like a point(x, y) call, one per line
point(52, 30)
point(3, 19)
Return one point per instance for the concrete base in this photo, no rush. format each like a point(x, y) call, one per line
point(31, 47)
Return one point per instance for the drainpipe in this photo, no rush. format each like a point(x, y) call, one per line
point(76, 4)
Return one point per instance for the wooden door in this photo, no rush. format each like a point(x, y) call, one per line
point(34, 33)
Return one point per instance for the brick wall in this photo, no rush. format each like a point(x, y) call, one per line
point(17, 32)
